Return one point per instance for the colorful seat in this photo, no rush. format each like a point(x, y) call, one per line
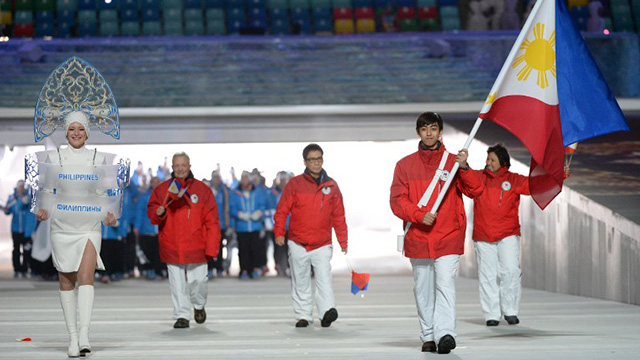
point(108, 15)
point(344, 26)
point(365, 25)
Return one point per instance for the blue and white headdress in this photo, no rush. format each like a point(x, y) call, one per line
point(76, 92)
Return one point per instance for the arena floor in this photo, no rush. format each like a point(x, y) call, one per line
point(254, 320)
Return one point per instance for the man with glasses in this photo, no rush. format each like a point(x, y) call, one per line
point(315, 203)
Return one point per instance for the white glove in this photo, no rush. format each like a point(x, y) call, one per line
point(256, 215)
point(244, 216)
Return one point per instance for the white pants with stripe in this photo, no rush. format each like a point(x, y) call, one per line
point(188, 285)
point(300, 262)
point(499, 277)
point(435, 293)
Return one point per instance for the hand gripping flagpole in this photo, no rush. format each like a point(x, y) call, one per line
point(454, 170)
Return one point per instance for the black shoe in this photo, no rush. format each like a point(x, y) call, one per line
point(429, 346)
point(181, 324)
point(330, 316)
point(302, 323)
point(512, 320)
point(446, 344)
point(200, 315)
point(493, 322)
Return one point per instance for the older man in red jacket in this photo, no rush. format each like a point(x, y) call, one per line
point(315, 203)
point(434, 242)
point(187, 214)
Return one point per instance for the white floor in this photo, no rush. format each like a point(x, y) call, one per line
point(254, 320)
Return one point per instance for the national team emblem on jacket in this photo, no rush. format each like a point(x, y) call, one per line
point(506, 186)
point(445, 175)
point(326, 190)
point(194, 198)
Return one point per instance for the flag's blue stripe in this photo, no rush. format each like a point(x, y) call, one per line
point(587, 105)
point(354, 289)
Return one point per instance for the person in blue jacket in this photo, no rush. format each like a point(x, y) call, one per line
point(280, 253)
point(148, 235)
point(247, 205)
point(18, 206)
point(221, 193)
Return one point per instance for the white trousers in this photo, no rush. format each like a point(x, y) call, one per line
point(300, 262)
point(435, 293)
point(499, 277)
point(188, 285)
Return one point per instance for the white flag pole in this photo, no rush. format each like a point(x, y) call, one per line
point(454, 170)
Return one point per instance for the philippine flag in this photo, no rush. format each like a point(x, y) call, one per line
point(550, 94)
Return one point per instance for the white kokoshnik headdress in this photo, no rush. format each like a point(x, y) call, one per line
point(76, 92)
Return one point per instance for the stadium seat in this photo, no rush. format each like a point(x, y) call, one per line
point(429, 24)
point(363, 3)
point(342, 13)
point(130, 28)
point(86, 4)
point(108, 15)
point(194, 26)
point(430, 12)
point(150, 15)
point(365, 25)
point(23, 17)
point(173, 27)
point(215, 4)
point(280, 27)
point(129, 15)
point(193, 4)
point(63, 30)
point(216, 26)
point(6, 17)
point(23, 30)
point(150, 4)
point(87, 29)
point(171, 4)
point(344, 27)
point(21, 5)
point(44, 28)
point(365, 13)
point(45, 5)
point(408, 24)
point(109, 28)
point(277, 4)
point(151, 28)
point(111, 4)
point(87, 17)
point(67, 5)
point(128, 4)
point(341, 4)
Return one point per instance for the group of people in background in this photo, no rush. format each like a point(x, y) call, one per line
point(131, 249)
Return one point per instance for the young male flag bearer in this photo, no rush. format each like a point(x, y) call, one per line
point(315, 203)
point(434, 241)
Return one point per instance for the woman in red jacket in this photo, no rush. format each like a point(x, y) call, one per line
point(496, 235)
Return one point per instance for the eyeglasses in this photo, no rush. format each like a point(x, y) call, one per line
point(314, 160)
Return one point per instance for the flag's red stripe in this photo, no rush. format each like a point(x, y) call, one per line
point(537, 125)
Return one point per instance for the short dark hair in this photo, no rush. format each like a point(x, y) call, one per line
point(309, 148)
point(428, 118)
point(502, 154)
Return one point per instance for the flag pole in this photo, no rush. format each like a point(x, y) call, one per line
point(454, 170)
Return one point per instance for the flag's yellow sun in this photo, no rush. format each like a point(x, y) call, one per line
point(539, 54)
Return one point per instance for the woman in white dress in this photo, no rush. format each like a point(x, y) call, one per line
point(76, 244)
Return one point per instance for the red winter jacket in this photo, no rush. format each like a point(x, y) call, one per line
point(190, 226)
point(315, 209)
point(411, 178)
point(495, 212)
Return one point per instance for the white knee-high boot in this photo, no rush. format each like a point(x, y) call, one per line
point(85, 307)
point(68, 301)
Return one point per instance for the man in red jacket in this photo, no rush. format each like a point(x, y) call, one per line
point(187, 215)
point(315, 203)
point(433, 242)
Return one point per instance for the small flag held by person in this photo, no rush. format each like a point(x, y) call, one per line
point(359, 282)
